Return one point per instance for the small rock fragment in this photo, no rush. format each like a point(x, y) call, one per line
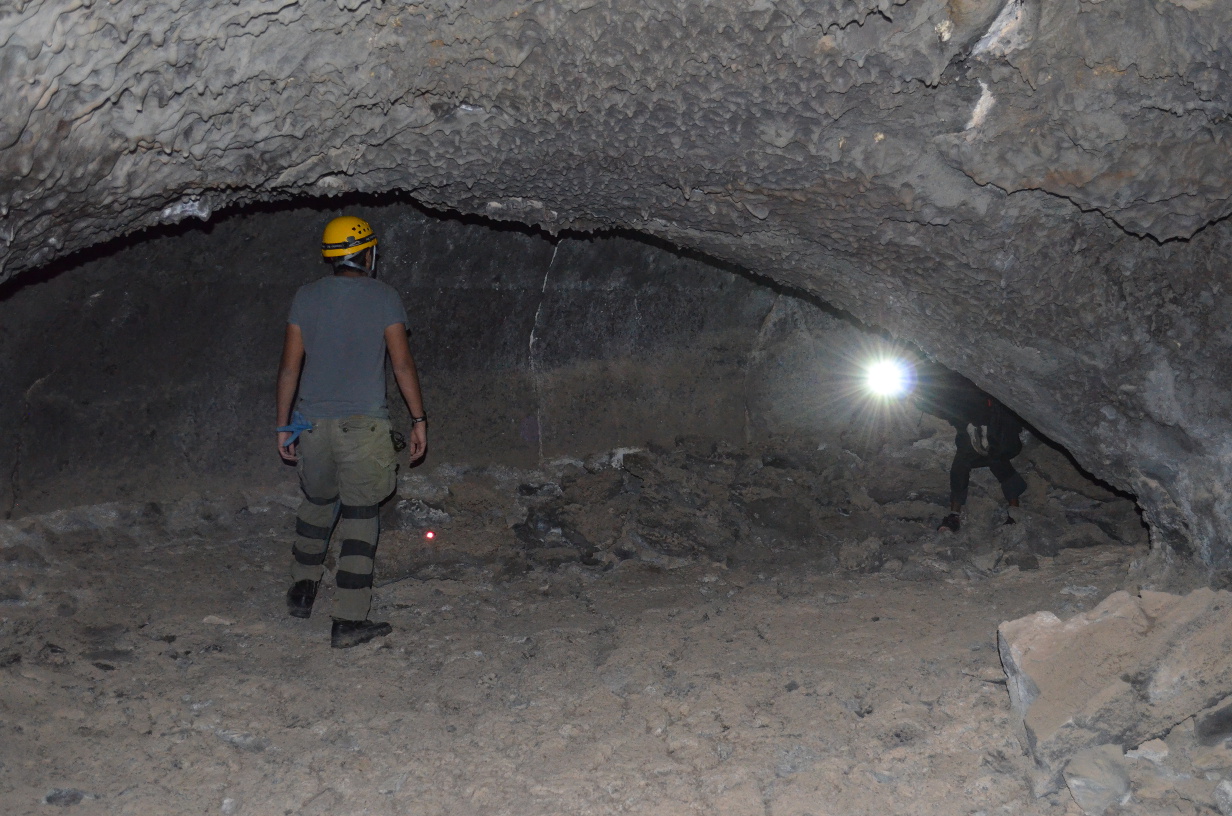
point(242, 740)
point(64, 797)
point(861, 556)
point(1097, 778)
point(1155, 750)
point(1223, 797)
point(1025, 561)
point(986, 561)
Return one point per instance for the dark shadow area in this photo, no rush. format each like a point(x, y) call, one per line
point(1086, 474)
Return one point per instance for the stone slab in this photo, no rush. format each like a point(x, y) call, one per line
point(1120, 674)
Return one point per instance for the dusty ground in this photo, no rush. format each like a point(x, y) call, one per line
point(541, 666)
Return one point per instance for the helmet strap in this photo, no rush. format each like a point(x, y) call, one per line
point(367, 270)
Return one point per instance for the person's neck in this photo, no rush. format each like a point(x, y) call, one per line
point(349, 273)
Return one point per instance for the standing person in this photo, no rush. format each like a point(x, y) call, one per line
point(338, 334)
point(987, 434)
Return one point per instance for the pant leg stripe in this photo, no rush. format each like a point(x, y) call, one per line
point(353, 546)
point(359, 511)
point(321, 502)
point(306, 558)
point(311, 530)
point(352, 580)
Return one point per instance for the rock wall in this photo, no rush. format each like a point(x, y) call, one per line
point(148, 372)
point(1036, 193)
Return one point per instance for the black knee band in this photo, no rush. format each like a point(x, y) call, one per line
point(321, 502)
point(353, 546)
point(308, 559)
point(360, 511)
point(311, 530)
point(352, 580)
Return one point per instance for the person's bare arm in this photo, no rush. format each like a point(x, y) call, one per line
point(408, 383)
point(288, 379)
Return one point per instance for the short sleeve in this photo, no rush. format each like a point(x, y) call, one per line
point(394, 310)
point(296, 317)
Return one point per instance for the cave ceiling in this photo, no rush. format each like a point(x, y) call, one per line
point(1034, 192)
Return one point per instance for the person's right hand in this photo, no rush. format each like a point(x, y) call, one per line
point(419, 441)
point(287, 451)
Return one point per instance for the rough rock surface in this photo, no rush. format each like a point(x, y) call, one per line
point(1032, 191)
point(1223, 797)
point(1097, 779)
point(1122, 674)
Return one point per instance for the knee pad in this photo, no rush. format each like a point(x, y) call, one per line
point(360, 511)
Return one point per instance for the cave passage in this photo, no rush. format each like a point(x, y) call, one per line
point(666, 554)
point(144, 374)
point(663, 531)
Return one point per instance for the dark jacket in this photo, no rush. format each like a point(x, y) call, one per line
point(957, 400)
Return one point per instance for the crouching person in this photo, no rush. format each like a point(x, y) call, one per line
point(987, 434)
point(990, 439)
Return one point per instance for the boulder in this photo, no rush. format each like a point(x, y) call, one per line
point(1120, 674)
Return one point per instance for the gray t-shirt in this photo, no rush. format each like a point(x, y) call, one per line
point(343, 320)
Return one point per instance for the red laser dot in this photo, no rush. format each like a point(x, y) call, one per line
point(429, 534)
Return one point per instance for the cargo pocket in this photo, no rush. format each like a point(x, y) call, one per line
point(370, 471)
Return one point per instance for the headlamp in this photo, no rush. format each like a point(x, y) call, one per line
point(889, 378)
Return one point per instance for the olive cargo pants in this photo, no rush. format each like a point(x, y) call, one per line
point(346, 468)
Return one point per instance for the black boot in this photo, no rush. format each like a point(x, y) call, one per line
point(346, 634)
point(951, 523)
point(300, 597)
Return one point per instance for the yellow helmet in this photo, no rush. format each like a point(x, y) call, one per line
point(346, 236)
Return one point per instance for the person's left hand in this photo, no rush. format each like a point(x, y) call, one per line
point(287, 452)
point(419, 441)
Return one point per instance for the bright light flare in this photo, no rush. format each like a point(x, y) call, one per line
point(429, 535)
point(888, 378)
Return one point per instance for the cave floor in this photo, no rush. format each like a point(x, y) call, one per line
point(151, 668)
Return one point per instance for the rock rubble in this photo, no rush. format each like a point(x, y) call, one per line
point(570, 638)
